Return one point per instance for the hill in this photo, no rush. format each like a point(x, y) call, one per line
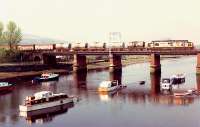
point(34, 39)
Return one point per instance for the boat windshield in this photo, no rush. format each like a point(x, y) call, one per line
point(113, 83)
point(166, 80)
point(45, 75)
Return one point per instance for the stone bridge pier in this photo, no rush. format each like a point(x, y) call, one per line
point(80, 63)
point(155, 66)
point(115, 62)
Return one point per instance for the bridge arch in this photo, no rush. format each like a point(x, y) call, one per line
point(37, 58)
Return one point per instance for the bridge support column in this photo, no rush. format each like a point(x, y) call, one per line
point(80, 63)
point(198, 64)
point(49, 60)
point(155, 66)
point(115, 62)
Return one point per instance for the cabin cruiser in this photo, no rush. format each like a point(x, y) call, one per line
point(47, 77)
point(178, 78)
point(166, 84)
point(45, 99)
point(5, 86)
point(107, 86)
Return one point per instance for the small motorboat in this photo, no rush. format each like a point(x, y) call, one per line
point(45, 99)
point(107, 86)
point(141, 82)
point(46, 77)
point(5, 86)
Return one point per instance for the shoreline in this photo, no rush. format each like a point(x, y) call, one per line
point(99, 66)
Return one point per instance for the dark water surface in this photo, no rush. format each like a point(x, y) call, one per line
point(137, 105)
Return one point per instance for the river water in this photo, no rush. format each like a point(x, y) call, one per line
point(136, 105)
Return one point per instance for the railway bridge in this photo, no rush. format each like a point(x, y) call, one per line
point(80, 57)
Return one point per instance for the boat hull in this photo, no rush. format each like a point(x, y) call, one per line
point(47, 111)
point(38, 79)
point(102, 89)
point(6, 88)
point(28, 108)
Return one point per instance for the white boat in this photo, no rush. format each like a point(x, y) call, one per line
point(166, 84)
point(45, 99)
point(107, 86)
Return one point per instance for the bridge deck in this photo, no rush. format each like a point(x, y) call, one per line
point(167, 52)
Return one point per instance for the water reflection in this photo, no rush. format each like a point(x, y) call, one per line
point(107, 96)
point(80, 79)
point(135, 101)
point(116, 75)
point(155, 83)
point(198, 82)
point(45, 115)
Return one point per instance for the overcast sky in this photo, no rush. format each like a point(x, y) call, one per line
point(89, 20)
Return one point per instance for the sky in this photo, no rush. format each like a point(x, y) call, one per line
point(93, 20)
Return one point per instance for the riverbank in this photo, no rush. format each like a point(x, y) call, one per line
point(15, 76)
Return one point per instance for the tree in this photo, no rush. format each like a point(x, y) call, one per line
point(1, 31)
point(12, 36)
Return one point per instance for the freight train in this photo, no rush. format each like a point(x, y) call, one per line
point(117, 46)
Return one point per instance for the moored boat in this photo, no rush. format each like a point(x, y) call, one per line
point(45, 99)
point(5, 86)
point(107, 86)
point(141, 82)
point(47, 77)
point(178, 78)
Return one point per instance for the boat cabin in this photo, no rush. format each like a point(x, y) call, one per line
point(43, 94)
point(45, 75)
point(166, 84)
point(108, 84)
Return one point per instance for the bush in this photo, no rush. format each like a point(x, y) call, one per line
point(9, 56)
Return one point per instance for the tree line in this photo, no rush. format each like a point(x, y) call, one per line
point(10, 35)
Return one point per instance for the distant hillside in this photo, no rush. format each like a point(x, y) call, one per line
point(33, 39)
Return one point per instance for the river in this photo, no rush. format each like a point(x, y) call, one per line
point(136, 105)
